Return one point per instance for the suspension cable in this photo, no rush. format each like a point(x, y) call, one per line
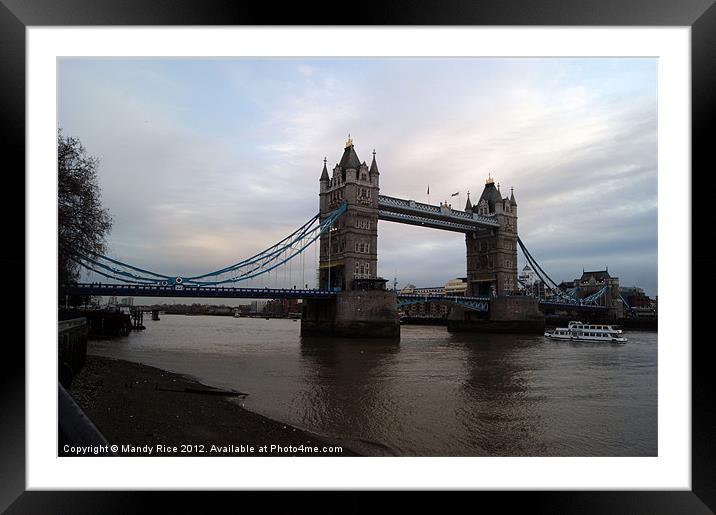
point(261, 263)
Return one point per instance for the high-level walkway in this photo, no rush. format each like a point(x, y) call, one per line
point(392, 209)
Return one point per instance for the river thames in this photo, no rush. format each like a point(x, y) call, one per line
point(432, 394)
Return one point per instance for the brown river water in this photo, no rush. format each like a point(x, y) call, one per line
point(432, 394)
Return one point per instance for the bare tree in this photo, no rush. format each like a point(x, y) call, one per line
point(82, 222)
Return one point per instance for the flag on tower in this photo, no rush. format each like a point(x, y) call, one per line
point(455, 194)
point(428, 189)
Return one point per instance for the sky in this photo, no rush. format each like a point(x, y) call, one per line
point(204, 162)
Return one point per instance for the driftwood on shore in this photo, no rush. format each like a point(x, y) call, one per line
point(206, 391)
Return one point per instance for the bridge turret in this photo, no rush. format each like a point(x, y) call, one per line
point(513, 202)
point(499, 207)
point(374, 170)
point(324, 180)
point(325, 183)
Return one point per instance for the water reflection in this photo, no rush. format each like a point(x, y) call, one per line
point(498, 413)
point(343, 392)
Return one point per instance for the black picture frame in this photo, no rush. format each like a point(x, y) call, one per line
point(17, 15)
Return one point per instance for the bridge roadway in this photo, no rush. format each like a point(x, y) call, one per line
point(152, 290)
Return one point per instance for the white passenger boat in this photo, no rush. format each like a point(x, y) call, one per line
point(577, 331)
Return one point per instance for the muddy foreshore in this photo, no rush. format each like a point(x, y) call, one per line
point(147, 411)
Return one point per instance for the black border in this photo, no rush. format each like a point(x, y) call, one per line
point(16, 15)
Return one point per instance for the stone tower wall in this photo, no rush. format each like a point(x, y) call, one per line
point(492, 254)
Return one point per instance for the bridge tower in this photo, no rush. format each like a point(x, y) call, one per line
point(492, 253)
point(492, 271)
point(348, 257)
point(349, 250)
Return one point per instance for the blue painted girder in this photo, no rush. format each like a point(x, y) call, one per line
point(152, 290)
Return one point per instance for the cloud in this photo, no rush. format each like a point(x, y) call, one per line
point(306, 70)
point(207, 161)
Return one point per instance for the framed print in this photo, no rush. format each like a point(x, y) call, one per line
point(425, 84)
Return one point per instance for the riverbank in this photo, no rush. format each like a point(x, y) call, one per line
point(150, 410)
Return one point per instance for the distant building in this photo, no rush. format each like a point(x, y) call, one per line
point(433, 290)
point(407, 289)
point(243, 308)
point(636, 298)
point(456, 287)
point(422, 309)
point(282, 307)
point(594, 278)
point(528, 276)
point(257, 306)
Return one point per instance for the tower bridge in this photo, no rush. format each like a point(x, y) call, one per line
point(350, 299)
